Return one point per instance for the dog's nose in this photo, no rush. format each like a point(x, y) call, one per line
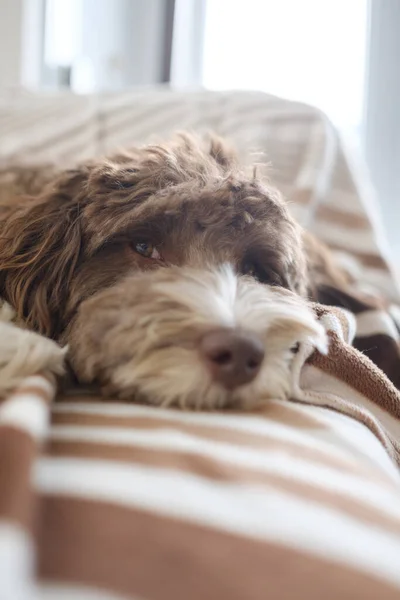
point(234, 358)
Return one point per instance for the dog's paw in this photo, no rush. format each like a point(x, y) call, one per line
point(24, 353)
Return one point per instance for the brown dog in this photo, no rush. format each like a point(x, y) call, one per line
point(75, 260)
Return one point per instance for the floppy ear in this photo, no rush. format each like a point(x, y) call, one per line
point(40, 246)
point(323, 271)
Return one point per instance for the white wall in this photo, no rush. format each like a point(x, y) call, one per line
point(10, 41)
point(21, 27)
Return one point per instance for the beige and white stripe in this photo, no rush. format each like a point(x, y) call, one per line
point(185, 506)
point(129, 501)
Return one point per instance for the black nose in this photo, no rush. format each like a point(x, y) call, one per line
point(234, 358)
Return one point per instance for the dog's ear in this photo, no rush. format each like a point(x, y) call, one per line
point(323, 270)
point(296, 277)
point(223, 153)
point(40, 246)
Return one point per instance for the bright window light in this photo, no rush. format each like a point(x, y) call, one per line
point(308, 50)
point(63, 32)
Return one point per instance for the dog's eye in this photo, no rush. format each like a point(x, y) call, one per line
point(146, 249)
point(250, 269)
point(255, 271)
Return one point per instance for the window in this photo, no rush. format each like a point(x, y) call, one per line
point(309, 50)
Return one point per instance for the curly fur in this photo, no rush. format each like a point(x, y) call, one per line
point(198, 204)
point(140, 337)
point(73, 234)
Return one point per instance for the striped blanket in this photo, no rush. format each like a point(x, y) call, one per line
point(297, 499)
point(110, 500)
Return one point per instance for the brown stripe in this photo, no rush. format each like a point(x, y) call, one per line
point(134, 552)
point(374, 261)
point(216, 470)
point(283, 413)
point(17, 452)
point(338, 217)
point(239, 438)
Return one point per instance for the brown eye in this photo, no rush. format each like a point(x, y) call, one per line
point(252, 269)
point(146, 249)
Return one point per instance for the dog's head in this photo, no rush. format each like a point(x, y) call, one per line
point(192, 338)
point(181, 204)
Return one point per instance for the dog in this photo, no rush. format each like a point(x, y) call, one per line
point(192, 338)
point(175, 276)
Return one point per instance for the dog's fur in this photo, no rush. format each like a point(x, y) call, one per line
point(140, 338)
point(68, 249)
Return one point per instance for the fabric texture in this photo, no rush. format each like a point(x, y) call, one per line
point(142, 502)
point(297, 499)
